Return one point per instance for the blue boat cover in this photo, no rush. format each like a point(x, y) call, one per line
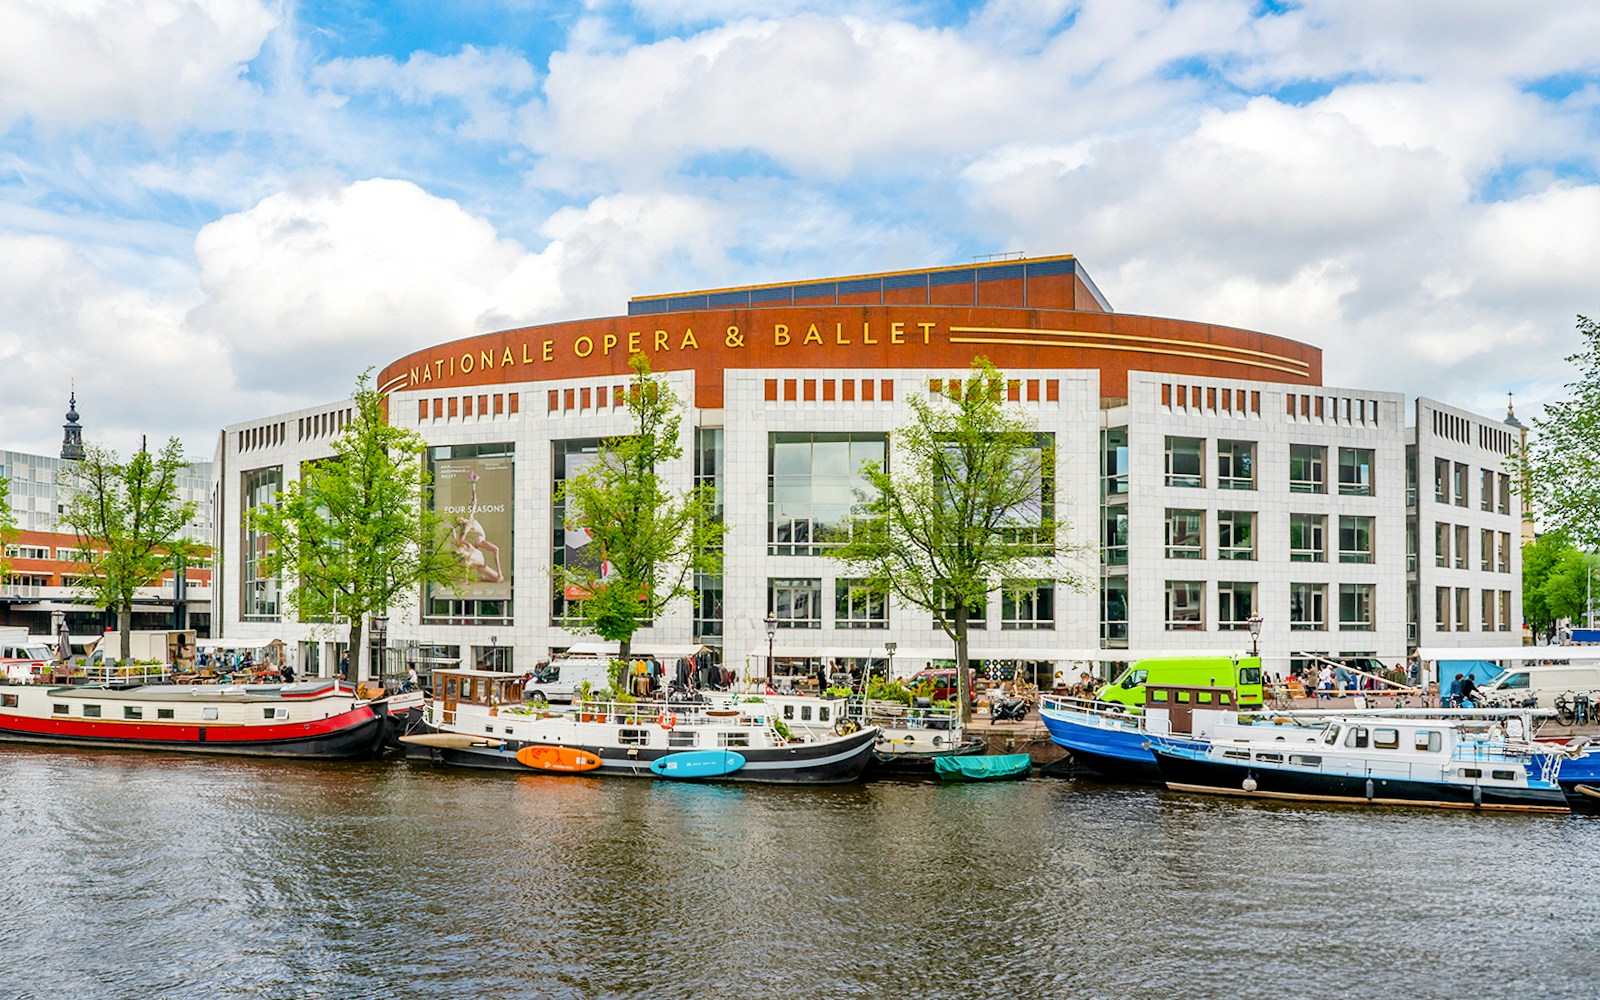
point(988, 767)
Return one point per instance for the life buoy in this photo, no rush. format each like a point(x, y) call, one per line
point(666, 720)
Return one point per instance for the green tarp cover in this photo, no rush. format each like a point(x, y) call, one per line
point(985, 768)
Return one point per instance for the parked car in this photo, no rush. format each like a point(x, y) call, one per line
point(944, 681)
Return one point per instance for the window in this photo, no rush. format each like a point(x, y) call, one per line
point(1461, 485)
point(1355, 607)
point(1504, 493)
point(1356, 736)
point(1114, 611)
point(1505, 552)
point(1425, 739)
point(795, 603)
point(1236, 537)
point(1486, 549)
point(1441, 480)
point(1355, 472)
point(1028, 604)
point(258, 592)
point(1308, 604)
point(1114, 462)
point(1185, 605)
point(680, 737)
point(811, 484)
point(1505, 610)
point(1441, 544)
point(977, 614)
point(1185, 537)
point(1486, 602)
point(1355, 539)
point(856, 607)
point(1441, 609)
point(726, 739)
point(58, 708)
point(1186, 461)
point(91, 711)
point(163, 713)
point(1463, 609)
point(132, 712)
point(1386, 739)
point(1306, 465)
point(633, 737)
point(1236, 465)
point(1235, 603)
point(1307, 541)
point(275, 712)
point(1463, 540)
point(1114, 542)
point(1486, 489)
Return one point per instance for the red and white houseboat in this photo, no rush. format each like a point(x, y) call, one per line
point(318, 718)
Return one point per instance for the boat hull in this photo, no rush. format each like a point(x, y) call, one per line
point(919, 762)
point(351, 735)
point(1183, 773)
point(1112, 747)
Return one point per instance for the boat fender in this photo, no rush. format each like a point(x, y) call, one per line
point(1370, 790)
point(1250, 783)
point(1477, 796)
point(666, 720)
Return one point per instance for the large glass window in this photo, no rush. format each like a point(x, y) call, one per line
point(473, 490)
point(1355, 607)
point(1028, 604)
point(1115, 542)
point(569, 548)
point(812, 479)
point(1185, 534)
point(1114, 611)
point(1307, 465)
point(708, 608)
point(1236, 465)
point(1308, 607)
point(1355, 539)
point(1235, 603)
point(1186, 461)
point(856, 607)
point(1185, 605)
point(1114, 461)
point(1236, 536)
point(709, 464)
point(259, 593)
point(1308, 538)
point(1441, 480)
point(1355, 472)
point(795, 603)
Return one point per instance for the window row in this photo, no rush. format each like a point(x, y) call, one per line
point(1451, 548)
point(1236, 536)
point(1450, 481)
point(1236, 601)
point(1452, 610)
point(798, 603)
point(1236, 466)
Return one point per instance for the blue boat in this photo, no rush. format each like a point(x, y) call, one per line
point(1112, 743)
point(688, 765)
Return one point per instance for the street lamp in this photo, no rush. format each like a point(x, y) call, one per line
point(772, 633)
point(489, 661)
point(1255, 633)
point(889, 648)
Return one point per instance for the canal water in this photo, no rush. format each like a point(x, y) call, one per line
point(132, 875)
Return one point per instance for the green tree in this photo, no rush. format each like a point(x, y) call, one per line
point(651, 539)
point(964, 508)
point(1563, 463)
point(355, 532)
point(129, 519)
point(8, 527)
point(1566, 589)
point(1539, 558)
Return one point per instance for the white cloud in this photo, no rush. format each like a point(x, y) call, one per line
point(483, 81)
point(158, 63)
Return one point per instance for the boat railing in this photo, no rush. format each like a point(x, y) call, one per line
point(628, 712)
point(1072, 703)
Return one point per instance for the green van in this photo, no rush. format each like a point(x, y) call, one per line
point(1242, 674)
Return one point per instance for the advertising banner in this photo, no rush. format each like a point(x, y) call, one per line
point(474, 496)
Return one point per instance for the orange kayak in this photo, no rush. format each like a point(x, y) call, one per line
point(545, 758)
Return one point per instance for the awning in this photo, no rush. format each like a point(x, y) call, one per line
point(1584, 654)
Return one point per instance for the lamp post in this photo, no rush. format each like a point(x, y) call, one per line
point(1255, 633)
point(772, 634)
point(489, 661)
point(889, 649)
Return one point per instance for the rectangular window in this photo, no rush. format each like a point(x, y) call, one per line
point(1308, 538)
point(1114, 540)
point(1235, 603)
point(163, 713)
point(1355, 472)
point(1486, 489)
point(1185, 535)
point(733, 739)
point(1486, 604)
point(1504, 493)
point(132, 712)
point(1386, 739)
point(1114, 611)
point(1355, 539)
point(1441, 609)
point(1028, 605)
point(258, 592)
point(812, 479)
point(1186, 461)
point(1441, 480)
point(1355, 607)
point(856, 607)
point(1463, 541)
point(275, 712)
point(1463, 609)
point(91, 711)
point(1306, 468)
point(1236, 465)
point(1486, 550)
point(1236, 536)
point(1505, 552)
point(1505, 610)
point(1114, 461)
point(680, 738)
point(795, 603)
point(1308, 607)
point(633, 737)
point(1461, 485)
point(1441, 544)
point(59, 708)
point(1185, 605)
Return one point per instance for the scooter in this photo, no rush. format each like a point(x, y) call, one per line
point(1008, 710)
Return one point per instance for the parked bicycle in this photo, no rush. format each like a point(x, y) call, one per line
point(1574, 709)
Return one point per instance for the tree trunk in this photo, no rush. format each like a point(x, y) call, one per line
point(963, 680)
point(353, 650)
point(125, 622)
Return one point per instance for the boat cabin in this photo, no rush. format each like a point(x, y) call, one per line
point(476, 687)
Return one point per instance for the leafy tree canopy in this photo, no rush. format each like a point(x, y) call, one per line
point(8, 527)
point(1562, 469)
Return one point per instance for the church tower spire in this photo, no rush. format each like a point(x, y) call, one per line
point(71, 433)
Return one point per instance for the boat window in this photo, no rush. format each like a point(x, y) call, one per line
point(209, 714)
point(805, 713)
point(60, 709)
point(163, 713)
point(1236, 754)
point(452, 688)
point(279, 712)
point(1356, 737)
point(633, 737)
point(1331, 736)
point(1503, 775)
point(788, 711)
point(1305, 759)
point(1427, 739)
point(132, 712)
point(91, 711)
point(682, 738)
point(1386, 739)
point(823, 712)
point(1471, 772)
point(733, 739)
point(8, 700)
point(1275, 758)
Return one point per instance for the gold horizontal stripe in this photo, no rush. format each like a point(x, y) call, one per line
point(1134, 350)
point(1131, 337)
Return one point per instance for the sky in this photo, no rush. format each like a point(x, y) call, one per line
point(217, 210)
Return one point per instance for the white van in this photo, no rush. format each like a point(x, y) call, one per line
point(1545, 683)
point(24, 662)
point(561, 680)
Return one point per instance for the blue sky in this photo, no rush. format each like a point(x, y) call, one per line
point(212, 210)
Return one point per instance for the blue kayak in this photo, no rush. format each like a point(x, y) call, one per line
point(989, 767)
point(688, 764)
